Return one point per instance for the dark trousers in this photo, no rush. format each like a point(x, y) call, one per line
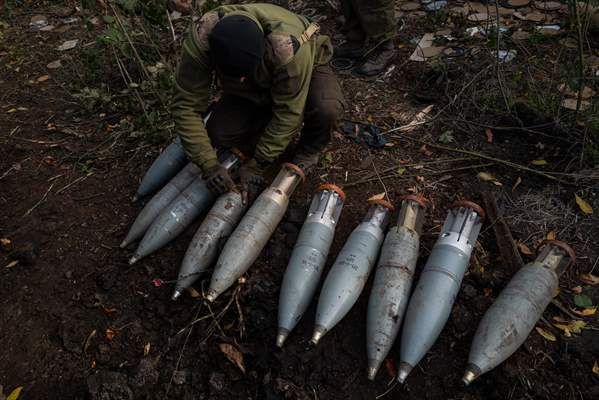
point(369, 19)
point(238, 122)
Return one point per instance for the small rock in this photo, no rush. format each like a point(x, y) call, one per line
point(180, 377)
point(108, 385)
point(68, 274)
point(217, 381)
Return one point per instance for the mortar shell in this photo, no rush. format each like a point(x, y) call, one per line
point(214, 230)
point(160, 201)
point(439, 283)
point(308, 258)
point(167, 165)
point(517, 309)
point(253, 232)
point(392, 282)
point(349, 273)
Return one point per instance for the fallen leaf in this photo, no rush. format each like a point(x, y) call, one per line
point(43, 78)
point(487, 291)
point(12, 110)
point(420, 179)
point(595, 368)
point(564, 328)
point(401, 171)
point(14, 395)
point(557, 292)
point(93, 364)
point(577, 289)
point(233, 355)
point(147, 348)
point(585, 312)
point(589, 279)
point(5, 243)
point(551, 235)
point(489, 133)
point(524, 249)
point(68, 45)
point(390, 367)
point(487, 177)
point(584, 206)
point(518, 182)
point(54, 64)
point(583, 301)
point(425, 151)
point(570, 104)
point(109, 334)
point(547, 335)
point(12, 264)
point(379, 196)
point(107, 310)
point(193, 293)
point(538, 162)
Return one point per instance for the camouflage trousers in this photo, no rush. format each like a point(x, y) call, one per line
point(369, 19)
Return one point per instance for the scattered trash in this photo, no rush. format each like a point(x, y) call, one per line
point(505, 56)
point(571, 104)
point(68, 45)
point(548, 30)
point(478, 17)
point(426, 41)
point(364, 133)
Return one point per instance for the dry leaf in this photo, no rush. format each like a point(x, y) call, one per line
point(518, 182)
point(193, 293)
point(596, 368)
point(233, 355)
point(559, 319)
point(5, 243)
point(589, 279)
point(147, 348)
point(380, 196)
point(487, 291)
point(551, 235)
point(109, 334)
point(585, 312)
point(12, 110)
point(538, 162)
point(12, 264)
point(425, 151)
point(54, 64)
point(93, 364)
point(573, 326)
point(547, 335)
point(577, 289)
point(584, 206)
point(14, 395)
point(487, 177)
point(43, 78)
point(524, 248)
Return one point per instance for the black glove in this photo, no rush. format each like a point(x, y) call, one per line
point(219, 181)
point(251, 175)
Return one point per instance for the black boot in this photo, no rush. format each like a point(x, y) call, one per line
point(378, 59)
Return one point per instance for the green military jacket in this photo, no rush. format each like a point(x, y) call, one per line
point(282, 80)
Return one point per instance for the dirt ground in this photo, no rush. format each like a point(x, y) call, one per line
point(77, 322)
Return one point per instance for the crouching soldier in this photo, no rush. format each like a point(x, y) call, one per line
point(272, 67)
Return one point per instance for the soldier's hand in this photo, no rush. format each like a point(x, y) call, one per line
point(219, 181)
point(251, 176)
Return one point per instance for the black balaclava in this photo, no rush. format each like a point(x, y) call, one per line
point(236, 46)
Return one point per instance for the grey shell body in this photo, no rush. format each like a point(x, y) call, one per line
point(167, 165)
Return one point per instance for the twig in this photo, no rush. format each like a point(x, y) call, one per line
point(74, 182)
point(377, 174)
point(170, 24)
point(40, 201)
point(447, 171)
point(580, 60)
point(447, 160)
point(486, 157)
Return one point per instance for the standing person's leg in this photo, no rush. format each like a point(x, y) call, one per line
point(237, 122)
point(377, 18)
point(354, 46)
point(324, 109)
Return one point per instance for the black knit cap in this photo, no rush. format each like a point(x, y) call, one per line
point(237, 46)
